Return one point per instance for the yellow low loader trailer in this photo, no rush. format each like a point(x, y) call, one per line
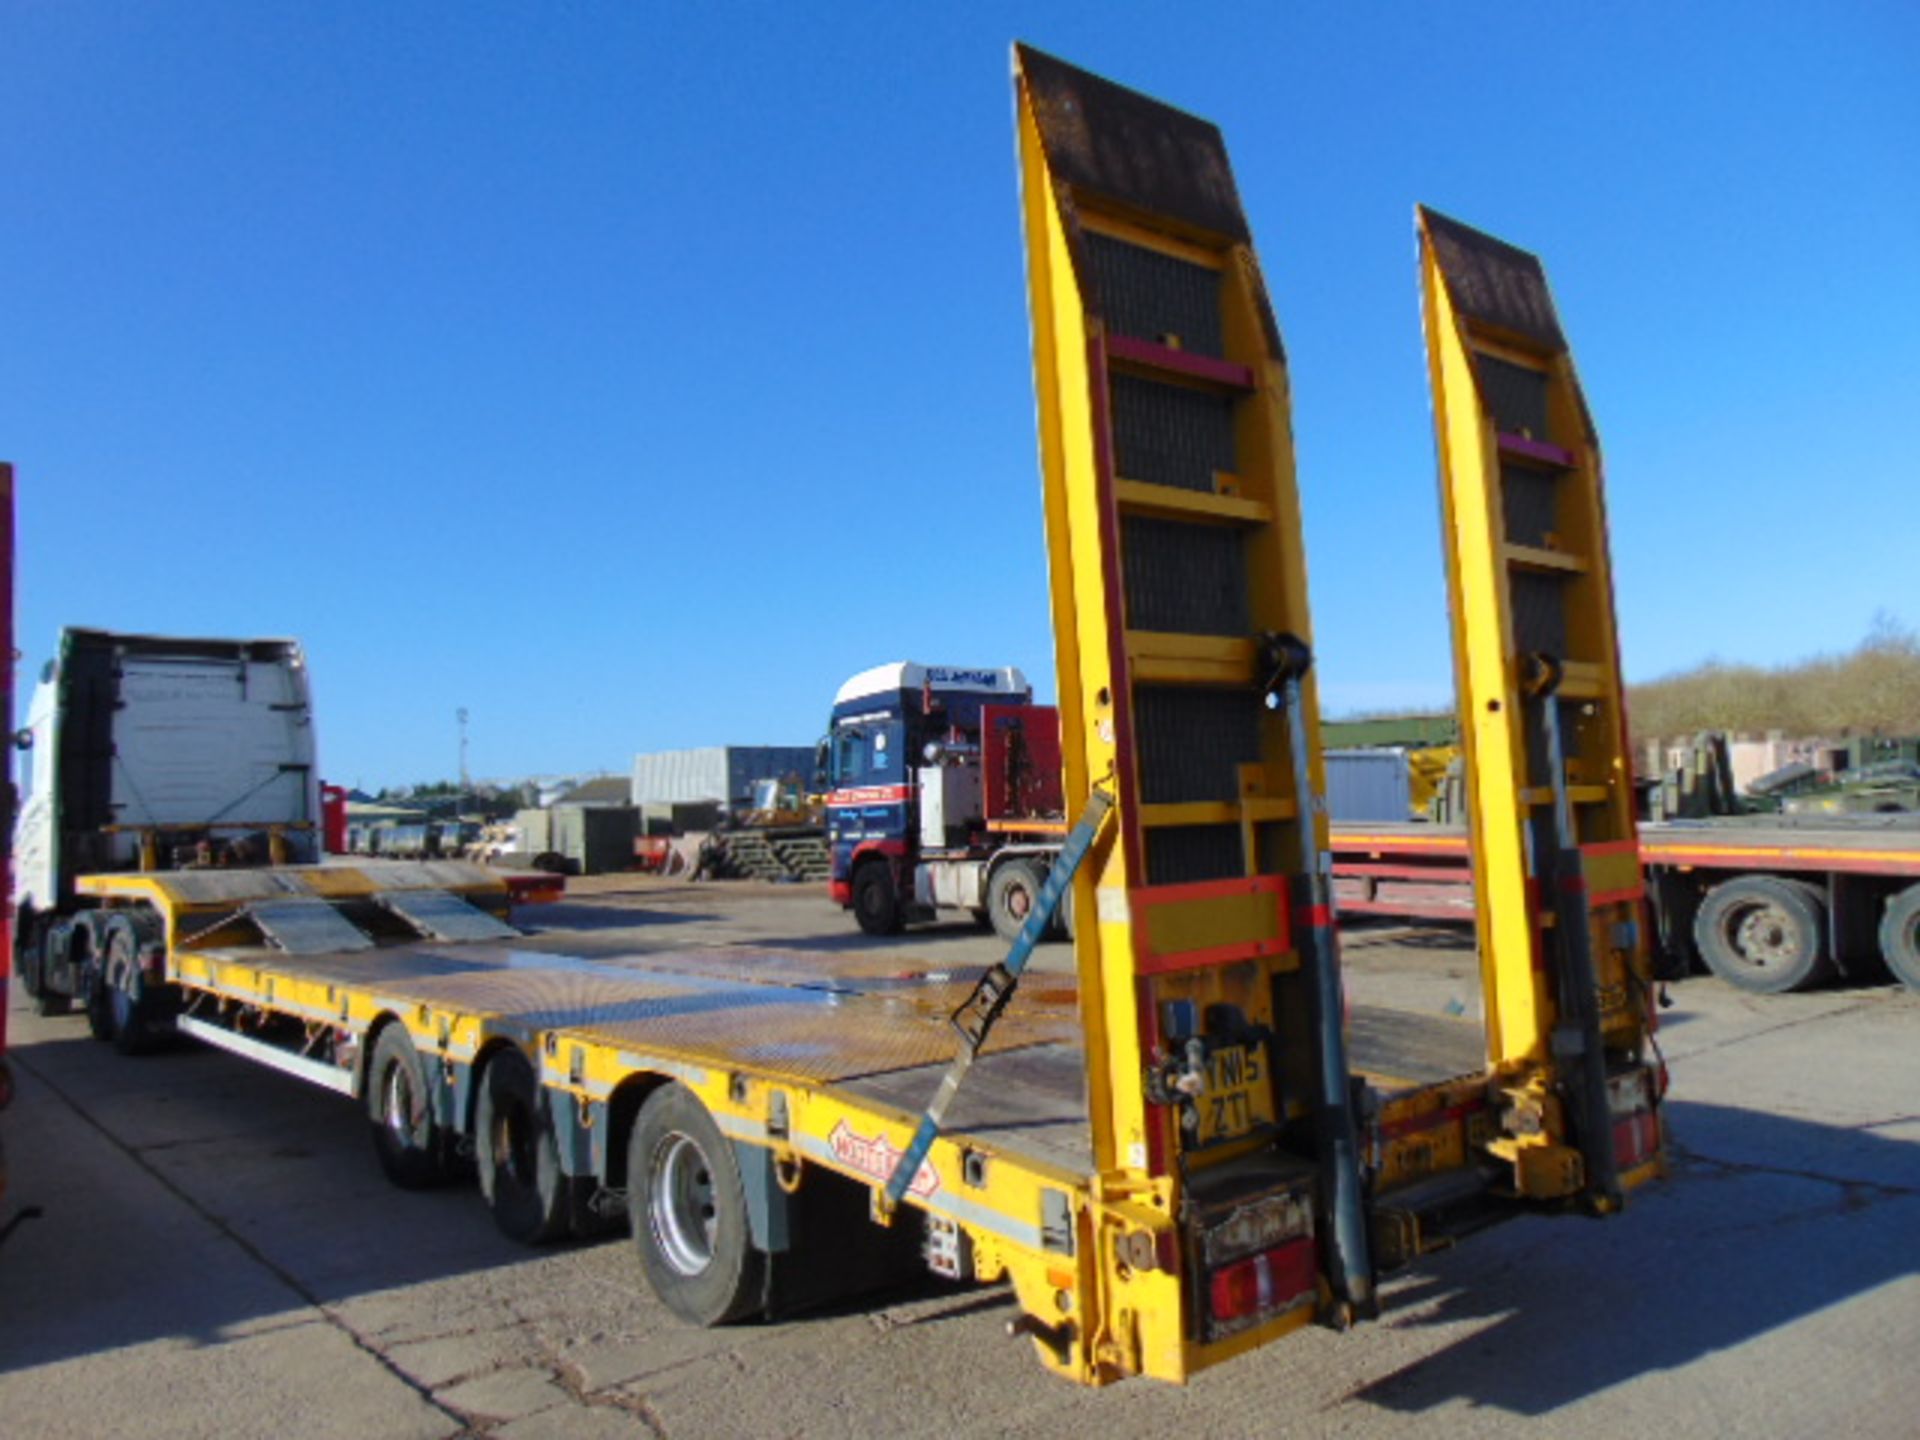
point(1176, 1154)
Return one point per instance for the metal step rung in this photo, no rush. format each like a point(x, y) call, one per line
point(1141, 497)
point(307, 926)
point(1537, 557)
point(439, 915)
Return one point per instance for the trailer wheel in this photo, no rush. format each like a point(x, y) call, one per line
point(1764, 934)
point(141, 1015)
point(876, 904)
point(1900, 936)
point(1011, 895)
point(415, 1151)
point(688, 1205)
point(518, 1158)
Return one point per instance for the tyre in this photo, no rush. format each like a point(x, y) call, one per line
point(876, 904)
point(30, 961)
point(415, 1151)
point(1063, 917)
point(1764, 934)
point(1900, 936)
point(141, 1012)
point(1011, 895)
point(90, 989)
point(689, 1212)
point(518, 1158)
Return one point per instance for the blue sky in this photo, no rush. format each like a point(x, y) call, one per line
point(631, 374)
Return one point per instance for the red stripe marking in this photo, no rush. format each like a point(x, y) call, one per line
point(871, 795)
point(1180, 362)
point(1119, 671)
point(1611, 847)
point(1535, 450)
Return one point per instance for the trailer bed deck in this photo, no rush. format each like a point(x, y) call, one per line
point(869, 1023)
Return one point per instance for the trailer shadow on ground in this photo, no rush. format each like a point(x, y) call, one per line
point(1765, 1221)
point(151, 1173)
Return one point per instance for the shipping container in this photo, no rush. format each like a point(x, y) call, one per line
point(594, 838)
point(1368, 785)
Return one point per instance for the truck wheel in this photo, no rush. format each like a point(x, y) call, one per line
point(1764, 934)
point(688, 1206)
point(1900, 936)
point(141, 1014)
point(30, 959)
point(415, 1151)
point(519, 1161)
point(1011, 895)
point(90, 987)
point(876, 905)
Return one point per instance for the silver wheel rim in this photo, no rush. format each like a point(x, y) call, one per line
point(399, 1104)
point(1765, 937)
point(680, 1203)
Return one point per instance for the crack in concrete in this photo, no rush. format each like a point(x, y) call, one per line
point(572, 1378)
point(1733, 1040)
point(1850, 1185)
point(246, 1247)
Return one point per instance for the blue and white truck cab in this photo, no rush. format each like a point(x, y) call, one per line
point(944, 794)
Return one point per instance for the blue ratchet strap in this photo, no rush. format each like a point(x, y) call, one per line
point(975, 1018)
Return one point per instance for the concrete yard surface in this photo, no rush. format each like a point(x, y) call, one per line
point(219, 1255)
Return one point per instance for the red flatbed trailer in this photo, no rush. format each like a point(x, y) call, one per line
point(1814, 896)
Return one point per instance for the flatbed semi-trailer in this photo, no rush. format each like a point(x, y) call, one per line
point(1769, 903)
point(1175, 1157)
point(565, 1063)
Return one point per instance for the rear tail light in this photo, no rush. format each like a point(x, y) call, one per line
point(1631, 1096)
point(1636, 1138)
point(1261, 1285)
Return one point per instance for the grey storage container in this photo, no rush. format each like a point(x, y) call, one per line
point(595, 838)
point(1368, 785)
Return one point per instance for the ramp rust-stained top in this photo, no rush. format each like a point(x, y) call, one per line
point(1493, 282)
point(1118, 143)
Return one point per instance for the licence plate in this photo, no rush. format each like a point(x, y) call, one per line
point(1238, 1097)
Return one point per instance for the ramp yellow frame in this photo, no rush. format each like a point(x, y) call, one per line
point(1180, 620)
point(1558, 894)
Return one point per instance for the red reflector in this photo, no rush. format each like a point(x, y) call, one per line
point(1270, 1280)
point(1635, 1138)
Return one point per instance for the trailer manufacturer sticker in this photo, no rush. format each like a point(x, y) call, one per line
point(876, 1157)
